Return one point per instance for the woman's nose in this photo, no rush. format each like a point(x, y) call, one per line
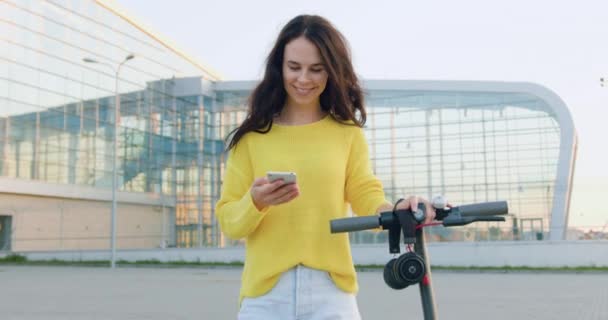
point(303, 76)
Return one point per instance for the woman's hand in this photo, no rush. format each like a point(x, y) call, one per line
point(412, 202)
point(265, 193)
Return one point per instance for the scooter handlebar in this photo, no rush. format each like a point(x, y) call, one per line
point(484, 209)
point(461, 215)
point(354, 224)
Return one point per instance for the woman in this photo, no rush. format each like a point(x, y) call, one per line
point(306, 117)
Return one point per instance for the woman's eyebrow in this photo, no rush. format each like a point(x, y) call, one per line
point(320, 64)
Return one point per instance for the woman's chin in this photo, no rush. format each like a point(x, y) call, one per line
point(306, 100)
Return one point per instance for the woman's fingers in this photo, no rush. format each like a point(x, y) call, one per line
point(412, 204)
point(291, 194)
point(430, 212)
point(271, 187)
point(263, 192)
point(413, 201)
point(284, 192)
point(273, 193)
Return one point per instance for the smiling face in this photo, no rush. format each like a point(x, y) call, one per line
point(304, 74)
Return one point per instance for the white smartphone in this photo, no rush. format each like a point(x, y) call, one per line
point(288, 177)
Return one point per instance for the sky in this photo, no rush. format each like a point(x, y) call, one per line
point(562, 45)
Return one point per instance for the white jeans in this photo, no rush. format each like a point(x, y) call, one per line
point(302, 293)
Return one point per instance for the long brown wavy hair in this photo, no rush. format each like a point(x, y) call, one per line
point(342, 98)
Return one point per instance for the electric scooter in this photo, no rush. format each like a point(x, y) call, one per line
point(413, 267)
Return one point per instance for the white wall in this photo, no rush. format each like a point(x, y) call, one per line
point(497, 254)
point(51, 223)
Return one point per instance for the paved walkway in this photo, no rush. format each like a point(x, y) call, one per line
point(66, 293)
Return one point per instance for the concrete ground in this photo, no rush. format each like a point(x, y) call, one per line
point(66, 293)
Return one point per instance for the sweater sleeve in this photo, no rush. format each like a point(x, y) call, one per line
point(237, 215)
point(363, 189)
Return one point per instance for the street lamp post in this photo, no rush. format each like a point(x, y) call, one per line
point(115, 152)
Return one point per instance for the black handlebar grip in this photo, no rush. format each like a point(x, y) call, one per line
point(484, 209)
point(354, 224)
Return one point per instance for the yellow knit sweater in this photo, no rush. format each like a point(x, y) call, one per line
point(331, 161)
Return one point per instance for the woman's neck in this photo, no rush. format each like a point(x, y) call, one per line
point(298, 116)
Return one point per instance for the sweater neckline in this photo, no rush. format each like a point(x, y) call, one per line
point(306, 125)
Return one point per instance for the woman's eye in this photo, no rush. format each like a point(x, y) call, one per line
point(294, 68)
point(316, 70)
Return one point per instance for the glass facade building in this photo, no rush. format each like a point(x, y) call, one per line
point(57, 115)
point(470, 141)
